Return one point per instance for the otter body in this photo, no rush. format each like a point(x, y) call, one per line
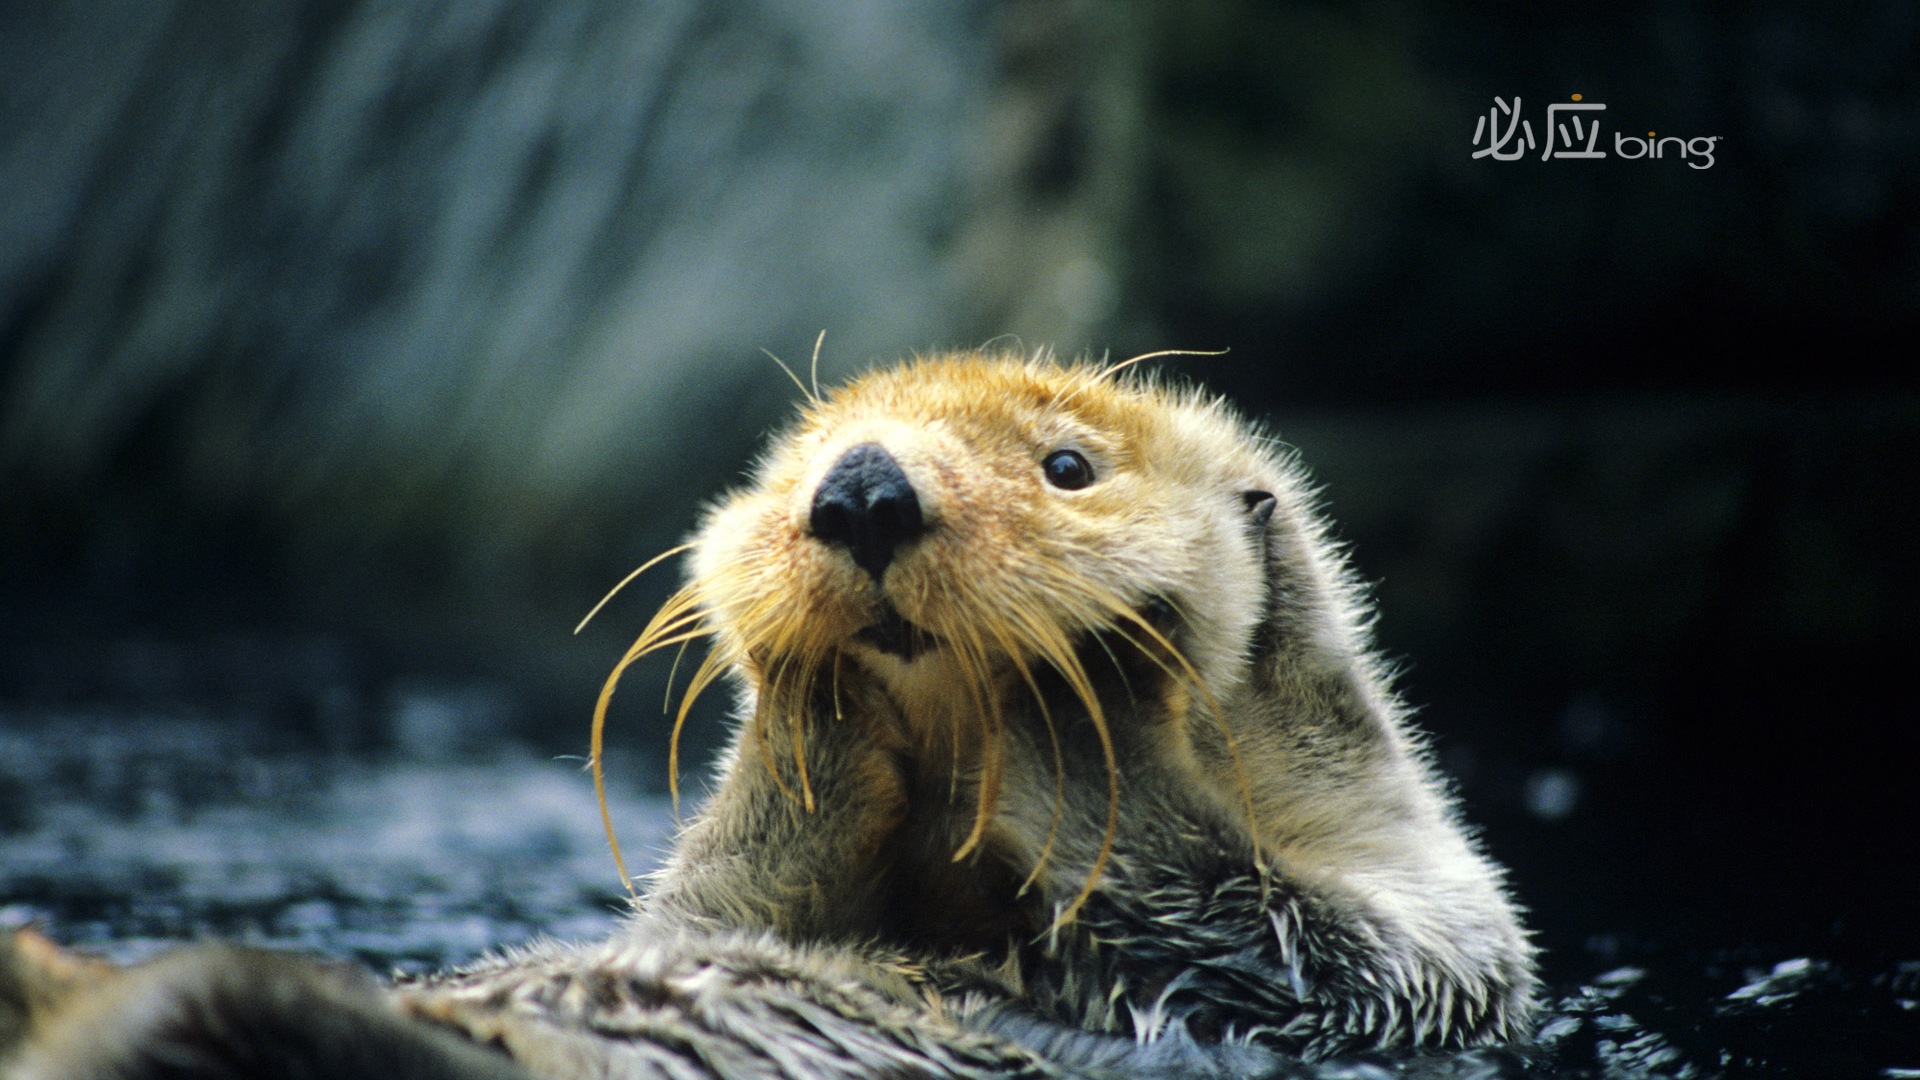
point(1060, 750)
point(1093, 695)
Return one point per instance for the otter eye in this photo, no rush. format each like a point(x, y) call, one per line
point(1066, 469)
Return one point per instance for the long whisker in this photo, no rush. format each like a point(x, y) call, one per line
point(1051, 641)
point(813, 371)
point(666, 699)
point(659, 637)
point(1241, 775)
point(670, 625)
point(1088, 376)
point(800, 694)
point(986, 704)
point(1049, 644)
point(594, 758)
point(681, 610)
point(625, 581)
point(838, 658)
point(763, 739)
point(1123, 365)
point(1014, 654)
point(1058, 652)
point(810, 396)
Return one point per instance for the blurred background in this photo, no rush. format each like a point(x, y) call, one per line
point(350, 351)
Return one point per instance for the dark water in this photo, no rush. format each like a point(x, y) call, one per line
point(128, 834)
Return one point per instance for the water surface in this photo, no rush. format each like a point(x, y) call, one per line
point(127, 834)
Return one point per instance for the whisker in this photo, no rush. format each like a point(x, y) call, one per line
point(1048, 643)
point(1013, 652)
point(811, 397)
point(1059, 653)
point(1123, 365)
point(802, 693)
point(813, 370)
point(1241, 776)
point(666, 699)
point(703, 676)
point(770, 701)
point(595, 758)
point(973, 660)
point(625, 581)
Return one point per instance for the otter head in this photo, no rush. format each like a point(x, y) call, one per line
point(957, 535)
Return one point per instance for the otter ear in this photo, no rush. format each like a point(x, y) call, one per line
point(1259, 506)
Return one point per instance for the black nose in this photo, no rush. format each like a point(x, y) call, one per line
point(866, 505)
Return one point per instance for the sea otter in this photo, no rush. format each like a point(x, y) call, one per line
point(1060, 747)
point(1057, 666)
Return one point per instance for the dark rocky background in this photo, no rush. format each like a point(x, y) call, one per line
point(348, 353)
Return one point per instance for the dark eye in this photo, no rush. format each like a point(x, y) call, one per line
point(1067, 469)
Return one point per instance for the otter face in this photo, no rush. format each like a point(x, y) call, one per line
point(989, 513)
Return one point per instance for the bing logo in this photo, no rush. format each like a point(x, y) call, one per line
point(1573, 131)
